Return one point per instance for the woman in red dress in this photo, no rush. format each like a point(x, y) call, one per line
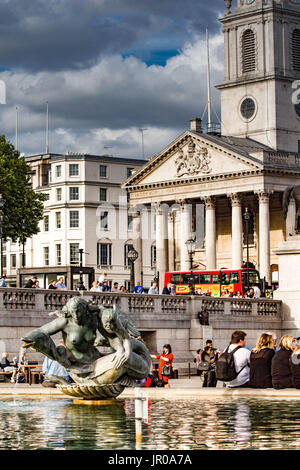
point(166, 358)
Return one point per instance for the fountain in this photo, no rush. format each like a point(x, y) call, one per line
point(84, 327)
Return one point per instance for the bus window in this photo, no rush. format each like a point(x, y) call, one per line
point(253, 278)
point(214, 279)
point(226, 279)
point(175, 279)
point(234, 278)
point(185, 279)
point(204, 278)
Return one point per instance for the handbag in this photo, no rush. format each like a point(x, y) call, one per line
point(167, 371)
point(203, 365)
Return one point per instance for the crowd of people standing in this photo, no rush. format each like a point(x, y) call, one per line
point(265, 366)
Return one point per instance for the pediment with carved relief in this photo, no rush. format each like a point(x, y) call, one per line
point(189, 157)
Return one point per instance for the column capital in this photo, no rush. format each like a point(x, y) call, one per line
point(235, 199)
point(264, 195)
point(210, 202)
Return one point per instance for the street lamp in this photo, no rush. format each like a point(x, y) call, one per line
point(132, 256)
point(247, 217)
point(191, 247)
point(81, 286)
point(1, 232)
point(23, 227)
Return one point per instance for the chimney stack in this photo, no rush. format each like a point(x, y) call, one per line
point(196, 125)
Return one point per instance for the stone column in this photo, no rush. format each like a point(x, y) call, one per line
point(264, 235)
point(186, 233)
point(171, 239)
point(210, 232)
point(138, 246)
point(162, 243)
point(236, 231)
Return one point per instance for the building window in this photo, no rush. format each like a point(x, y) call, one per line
point(129, 222)
point(4, 261)
point(58, 194)
point(13, 261)
point(74, 219)
point(248, 108)
point(21, 259)
point(104, 254)
point(73, 169)
point(58, 219)
point(129, 172)
point(58, 171)
point(127, 248)
point(74, 253)
point(103, 171)
point(248, 51)
point(46, 223)
point(153, 255)
point(46, 255)
point(104, 220)
point(296, 49)
point(74, 194)
point(103, 194)
point(47, 196)
point(58, 254)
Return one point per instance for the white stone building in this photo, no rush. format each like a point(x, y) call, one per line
point(86, 209)
point(246, 166)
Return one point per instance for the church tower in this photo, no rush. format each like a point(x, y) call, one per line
point(262, 66)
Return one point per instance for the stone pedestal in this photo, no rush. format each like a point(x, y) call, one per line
point(289, 284)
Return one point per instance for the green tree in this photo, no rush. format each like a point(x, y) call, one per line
point(22, 206)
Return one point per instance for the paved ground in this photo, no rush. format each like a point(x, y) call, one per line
point(183, 387)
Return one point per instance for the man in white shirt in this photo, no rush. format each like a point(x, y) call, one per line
point(241, 360)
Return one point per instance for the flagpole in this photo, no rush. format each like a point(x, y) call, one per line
point(47, 128)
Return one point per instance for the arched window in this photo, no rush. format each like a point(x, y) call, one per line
point(296, 49)
point(248, 51)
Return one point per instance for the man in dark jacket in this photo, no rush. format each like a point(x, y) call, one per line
point(167, 289)
point(31, 283)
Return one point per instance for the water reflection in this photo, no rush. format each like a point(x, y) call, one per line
point(194, 424)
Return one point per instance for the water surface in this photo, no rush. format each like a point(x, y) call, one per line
point(213, 423)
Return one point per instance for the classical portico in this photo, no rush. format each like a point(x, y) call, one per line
point(224, 176)
point(246, 166)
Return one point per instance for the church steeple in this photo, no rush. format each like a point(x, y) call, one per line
point(262, 61)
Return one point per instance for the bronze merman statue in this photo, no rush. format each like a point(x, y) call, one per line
point(84, 327)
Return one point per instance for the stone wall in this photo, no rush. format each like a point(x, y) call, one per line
point(161, 319)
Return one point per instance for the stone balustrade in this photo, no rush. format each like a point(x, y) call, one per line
point(48, 300)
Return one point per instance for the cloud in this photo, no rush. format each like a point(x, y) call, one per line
point(71, 34)
point(104, 101)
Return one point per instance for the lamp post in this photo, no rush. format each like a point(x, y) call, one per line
point(132, 256)
point(1, 232)
point(81, 286)
point(247, 217)
point(23, 227)
point(191, 246)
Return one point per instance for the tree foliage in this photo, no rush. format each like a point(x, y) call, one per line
point(22, 206)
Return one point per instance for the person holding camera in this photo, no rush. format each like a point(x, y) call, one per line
point(209, 356)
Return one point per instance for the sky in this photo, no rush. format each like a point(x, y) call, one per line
point(107, 69)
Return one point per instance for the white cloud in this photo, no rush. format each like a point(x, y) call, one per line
point(105, 104)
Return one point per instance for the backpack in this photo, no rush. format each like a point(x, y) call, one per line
point(225, 367)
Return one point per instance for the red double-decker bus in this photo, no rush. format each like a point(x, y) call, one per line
point(215, 282)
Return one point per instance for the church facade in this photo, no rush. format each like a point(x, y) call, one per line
point(202, 184)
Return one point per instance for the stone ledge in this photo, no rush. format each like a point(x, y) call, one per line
point(155, 393)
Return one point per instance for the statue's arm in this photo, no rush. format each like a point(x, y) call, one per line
point(54, 326)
